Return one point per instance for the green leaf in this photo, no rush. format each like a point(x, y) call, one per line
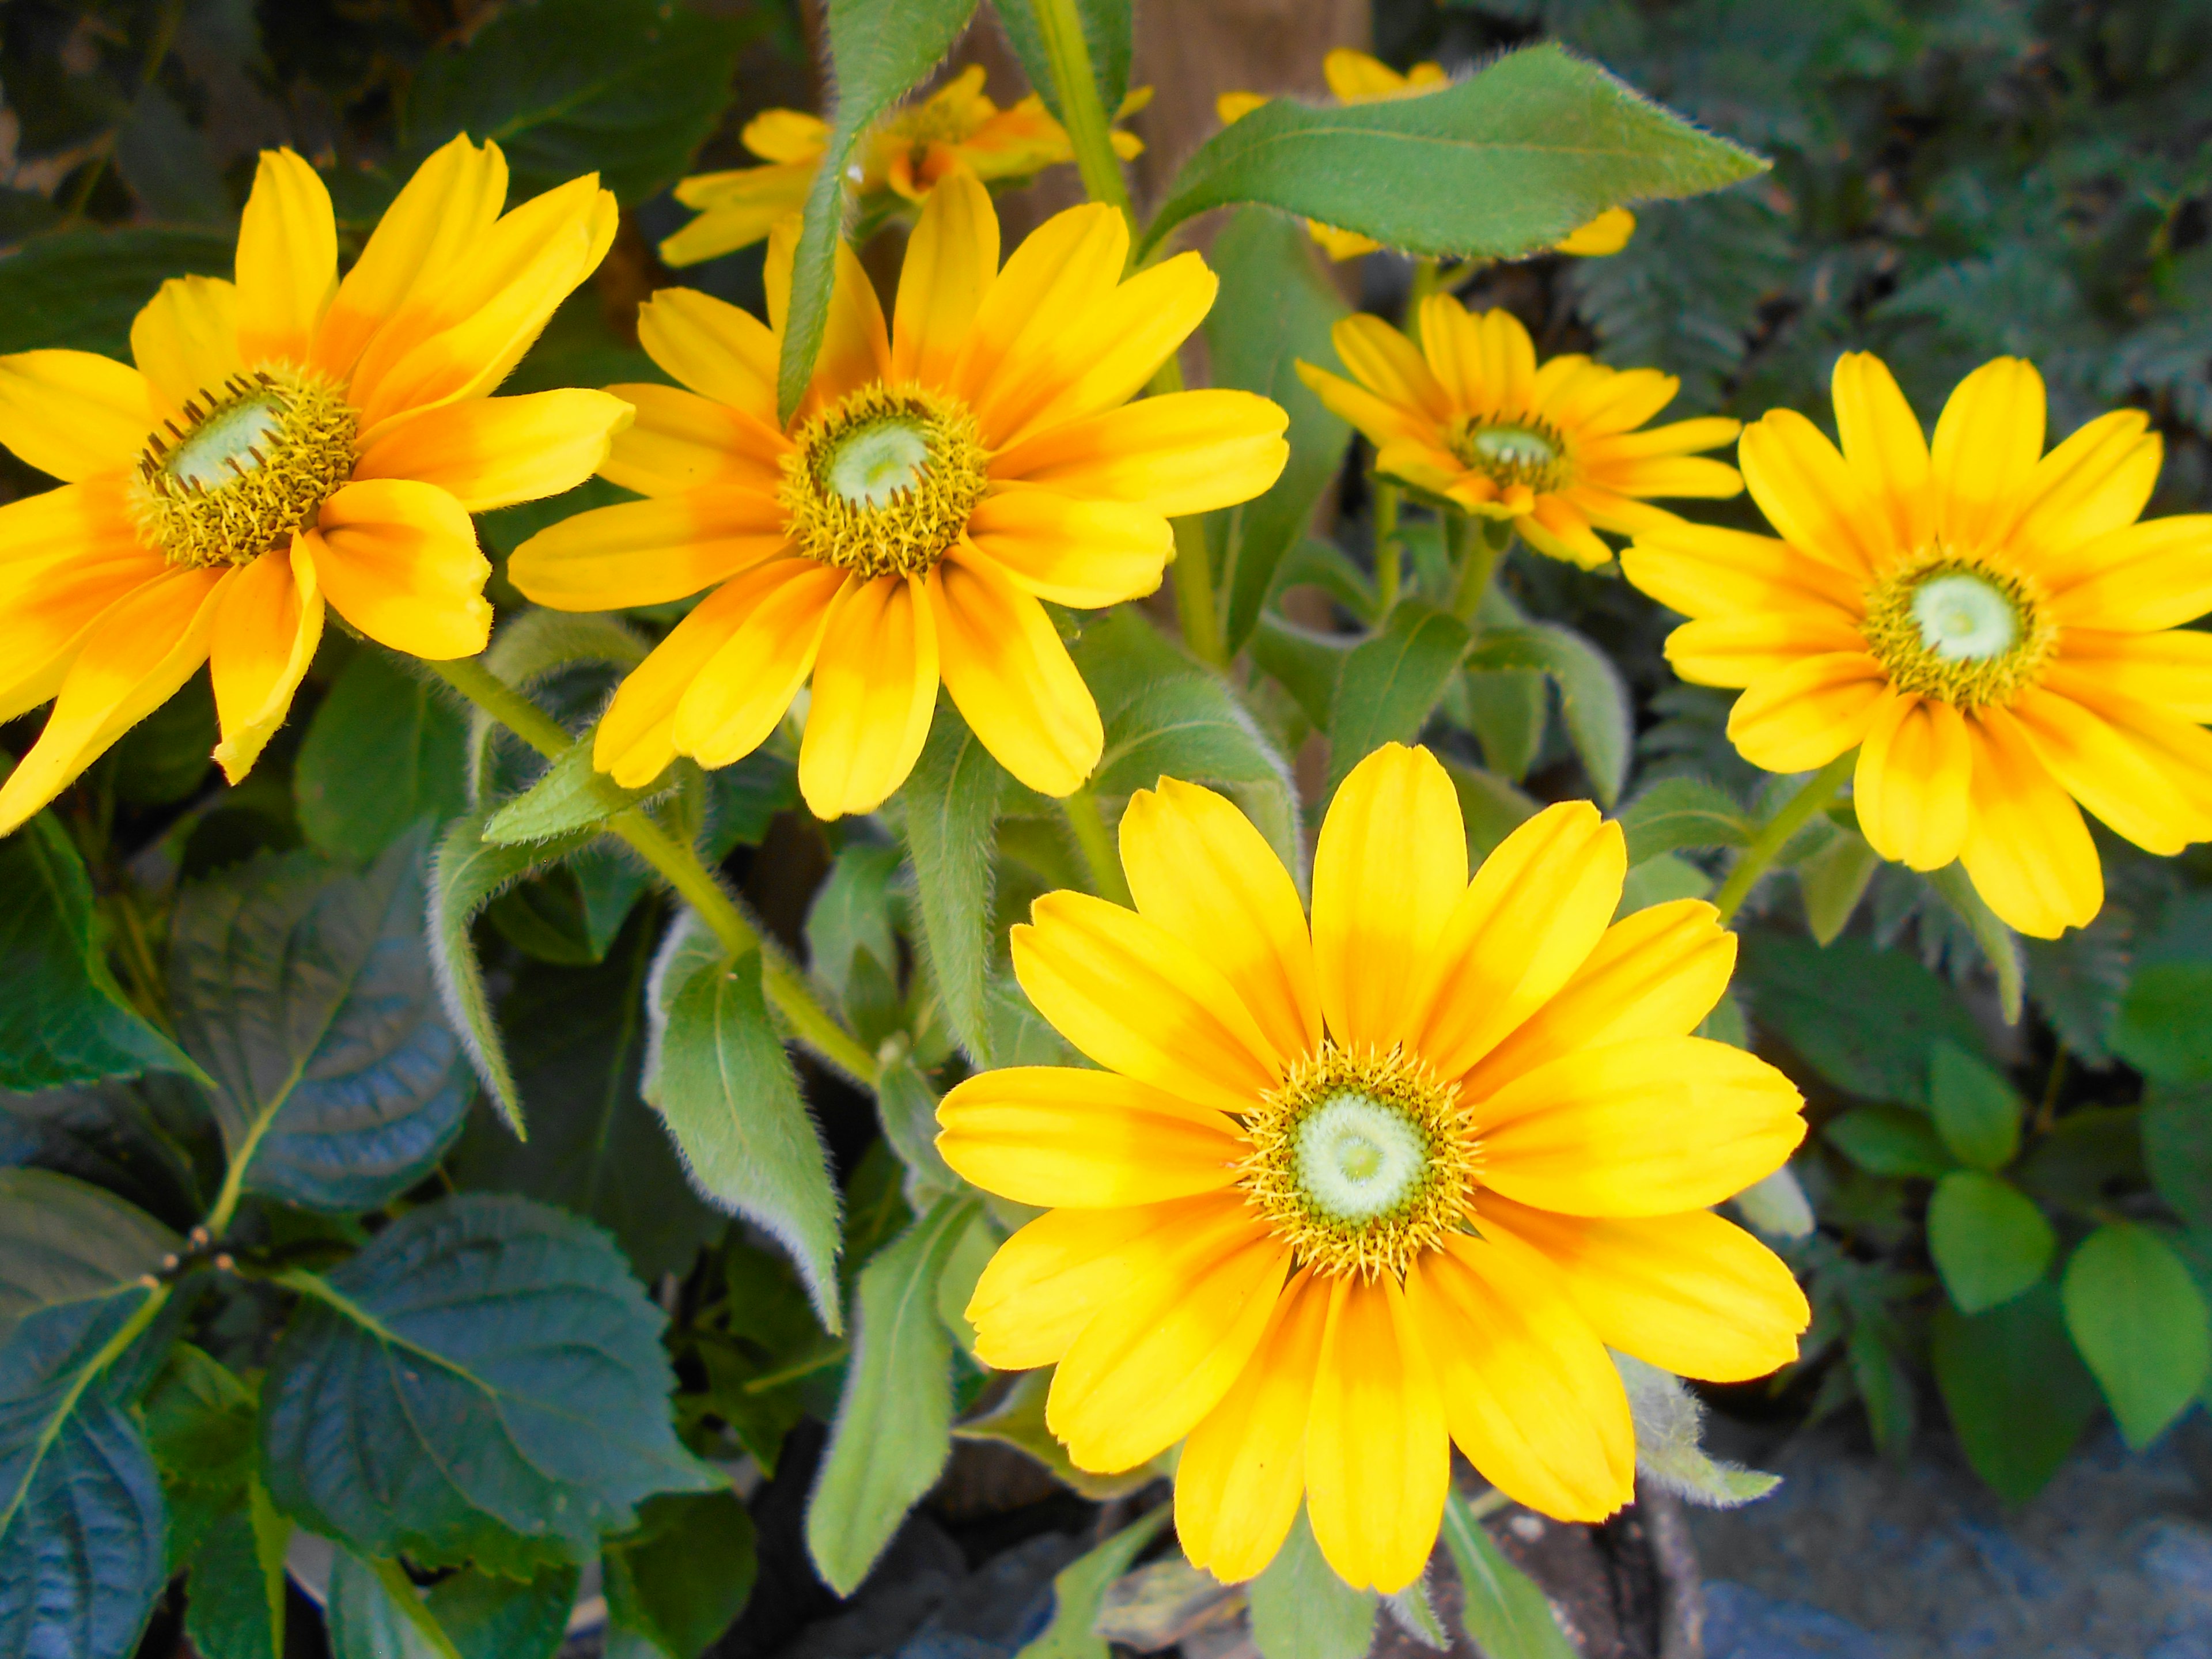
point(1833, 880)
point(370, 1616)
point(1671, 1449)
point(485, 1380)
point(1676, 813)
point(199, 1426)
point(1302, 1610)
point(168, 162)
point(1775, 1206)
point(952, 800)
point(1659, 881)
point(1307, 664)
point(2140, 1320)
point(2018, 1394)
point(1884, 1386)
point(2000, 946)
point(1504, 1611)
point(383, 749)
point(1593, 697)
point(64, 1240)
point(546, 649)
point(1390, 684)
point(1974, 1107)
point(2176, 1149)
point(63, 1018)
point(743, 799)
point(878, 50)
point(1018, 1420)
point(685, 1574)
point(1866, 1019)
point(489, 1616)
point(235, 1606)
point(160, 761)
point(907, 1107)
point(1079, 1588)
point(1507, 709)
point(1489, 806)
point(1502, 163)
point(852, 916)
point(1889, 1140)
point(894, 1424)
point(719, 1076)
point(306, 992)
point(1108, 34)
point(1989, 1240)
point(2161, 1030)
point(627, 88)
point(81, 288)
point(573, 795)
point(1275, 307)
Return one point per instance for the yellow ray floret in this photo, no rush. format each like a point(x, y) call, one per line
point(288, 442)
point(1348, 1193)
point(1990, 626)
point(943, 477)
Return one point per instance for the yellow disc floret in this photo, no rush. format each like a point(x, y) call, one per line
point(1960, 631)
point(882, 483)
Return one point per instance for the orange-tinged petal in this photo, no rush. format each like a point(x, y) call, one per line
point(1911, 784)
point(268, 622)
point(1140, 1001)
point(1388, 869)
point(1057, 1135)
point(1987, 441)
point(1087, 554)
point(65, 557)
point(1186, 451)
point(720, 352)
point(1690, 1293)
point(1702, 570)
point(1378, 420)
point(648, 552)
point(1883, 445)
point(950, 261)
point(186, 340)
point(1556, 529)
point(1378, 1458)
point(2028, 852)
point(1812, 497)
point(1529, 1393)
point(2097, 481)
point(2145, 771)
point(2172, 669)
point(74, 414)
point(494, 451)
point(288, 261)
point(1242, 1472)
point(1647, 1127)
point(2147, 576)
point(1061, 270)
point(739, 695)
point(875, 688)
point(399, 560)
point(680, 441)
point(1197, 868)
point(1010, 678)
point(1809, 713)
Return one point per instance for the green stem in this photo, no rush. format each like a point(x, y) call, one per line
point(1476, 551)
point(1389, 556)
point(1092, 839)
point(1818, 791)
point(1192, 572)
point(678, 864)
point(1089, 130)
point(1424, 284)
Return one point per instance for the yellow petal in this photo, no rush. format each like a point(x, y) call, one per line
point(648, 552)
point(1647, 1127)
point(1011, 678)
point(741, 693)
point(494, 451)
point(2146, 576)
point(633, 742)
point(1812, 497)
point(720, 352)
point(1061, 269)
point(1592, 401)
point(1391, 366)
point(2171, 669)
point(1738, 650)
point(399, 559)
point(1451, 344)
point(1911, 784)
point(856, 349)
point(1656, 973)
point(1242, 1472)
point(1530, 919)
point(1056, 1135)
point(1557, 531)
point(1702, 570)
point(1355, 78)
point(1530, 1393)
point(1606, 234)
point(1809, 713)
point(1389, 868)
point(268, 622)
point(778, 134)
point(2097, 481)
point(1378, 420)
point(875, 688)
point(1671, 441)
point(1509, 362)
point(73, 414)
point(65, 557)
point(1108, 356)
point(186, 340)
point(1883, 445)
point(1690, 1293)
point(2146, 773)
point(1987, 443)
point(1692, 477)
point(288, 261)
point(2028, 852)
point(680, 442)
point(1378, 1459)
point(1087, 554)
point(950, 260)
point(737, 208)
point(1197, 868)
point(1140, 1001)
point(131, 660)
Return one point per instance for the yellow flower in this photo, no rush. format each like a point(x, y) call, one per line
point(1468, 415)
point(957, 126)
point(286, 441)
point(937, 482)
point(1989, 624)
point(1340, 1199)
point(1355, 78)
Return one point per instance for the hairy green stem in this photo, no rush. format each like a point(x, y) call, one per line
point(1088, 825)
point(1817, 792)
point(1477, 548)
point(1087, 120)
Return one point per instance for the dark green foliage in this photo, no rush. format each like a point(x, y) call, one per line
point(1867, 1020)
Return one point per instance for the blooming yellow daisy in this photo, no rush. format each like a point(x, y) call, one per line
point(938, 480)
point(1355, 78)
point(1470, 416)
point(1989, 625)
point(1342, 1199)
point(956, 127)
point(286, 441)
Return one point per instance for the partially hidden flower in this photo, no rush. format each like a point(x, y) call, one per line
point(938, 481)
point(1355, 78)
point(1344, 1197)
point(285, 442)
point(956, 127)
point(1990, 626)
point(1560, 449)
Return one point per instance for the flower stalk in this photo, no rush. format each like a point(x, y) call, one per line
point(1815, 793)
point(1080, 110)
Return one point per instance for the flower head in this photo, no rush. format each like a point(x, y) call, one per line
point(287, 442)
point(1355, 78)
point(1345, 1196)
point(1468, 415)
point(1987, 624)
point(938, 480)
point(957, 127)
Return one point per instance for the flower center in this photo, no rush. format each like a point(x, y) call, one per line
point(260, 457)
point(1958, 630)
point(1361, 1161)
point(882, 483)
point(1525, 451)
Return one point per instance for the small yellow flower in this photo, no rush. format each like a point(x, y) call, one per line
point(1355, 78)
point(1344, 1197)
point(1470, 417)
point(938, 480)
point(287, 442)
point(956, 126)
point(1989, 625)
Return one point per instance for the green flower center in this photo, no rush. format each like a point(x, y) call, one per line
point(1358, 1158)
point(882, 483)
point(1961, 631)
point(1964, 619)
point(1525, 451)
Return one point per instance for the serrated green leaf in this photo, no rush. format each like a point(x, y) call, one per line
point(2139, 1320)
point(952, 801)
point(1865, 1018)
point(235, 1601)
point(1504, 1611)
point(1302, 1610)
point(2161, 1029)
point(1079, 1587)
point(199, 1426)
point(81, 288)
point(64, 1240)
point(1681, 813)
point(679, 1580)
point(368, 1616)
point(1889, 1140)
point(573, 795)
point(1671, 1449)
point(485, 1381)
point(1390, 684)
point(384, 749)
point(163, 758)
point(1989, 1240)
point(1974, 1107)
point(2018, 1394)
point(1108, 33)
point(1593, 700)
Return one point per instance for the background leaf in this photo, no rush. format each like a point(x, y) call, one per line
point(2140, 1320)
point(1865, 1018)
point(1593, 701)
point(1108, 34)
point(64, 1240)
point(384, 749)
point(951, 803)
point(1390, 684)
point(684, 1574)
point(2018, 1394)
point(1302, 1610)
point(1505, 1613)
point(79, 289)
point(1989, 1240)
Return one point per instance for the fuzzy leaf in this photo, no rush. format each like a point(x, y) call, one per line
point(1390, 684)
point(1669, 1437)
